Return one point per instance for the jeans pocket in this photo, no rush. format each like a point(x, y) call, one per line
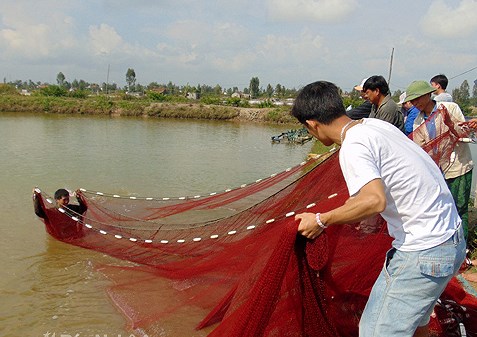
point(438, 261)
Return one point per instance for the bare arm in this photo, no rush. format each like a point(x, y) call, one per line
point(370, 200)
point(36, 205)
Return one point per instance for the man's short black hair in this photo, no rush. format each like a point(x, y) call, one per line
point(320, 101)
point(61, 193)
point(440, 79)
point(376, 82)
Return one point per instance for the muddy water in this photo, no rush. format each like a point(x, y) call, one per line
point(48, 287)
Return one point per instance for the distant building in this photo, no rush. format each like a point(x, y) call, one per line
point(159, 90)
point(240, 94)
point(192, 95)
point(289, 101)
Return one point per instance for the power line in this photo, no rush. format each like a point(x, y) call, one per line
point(465, 72)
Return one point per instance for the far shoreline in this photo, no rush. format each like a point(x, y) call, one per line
point(102, 105)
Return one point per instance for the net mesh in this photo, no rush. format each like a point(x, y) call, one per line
point(230, 263)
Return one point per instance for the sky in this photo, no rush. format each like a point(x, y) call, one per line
point(287, 42)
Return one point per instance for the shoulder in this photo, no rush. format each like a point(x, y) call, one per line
point(367, 131)
point(449, 105)
point(389, 105)
point(452, 107)
point(443, 97)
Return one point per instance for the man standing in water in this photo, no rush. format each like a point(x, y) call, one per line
point(376, 159)
point(62, 198)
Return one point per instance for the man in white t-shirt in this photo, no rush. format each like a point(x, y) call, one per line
point(429, 244)
point(439, 82)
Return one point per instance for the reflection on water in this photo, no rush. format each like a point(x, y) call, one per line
point(49, 286)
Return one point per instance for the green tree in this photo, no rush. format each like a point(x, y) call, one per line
point(153, 85)
point(254, 87)
point(6, 89)
point(82, 85)
point(60, 79)
point(218, 90)
point(461, 96)
point(53, 90)
point(130, 78)
point(474, 94)
point(171, 88)
point(278, 90)
point(269, 90)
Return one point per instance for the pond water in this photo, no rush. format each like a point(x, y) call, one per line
point(50, 286)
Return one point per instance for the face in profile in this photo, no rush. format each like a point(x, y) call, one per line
point(435, 85)
point(372, 96)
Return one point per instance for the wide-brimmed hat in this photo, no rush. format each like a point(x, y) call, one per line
point(359, 87)
point(417, 89)
point(402, 97)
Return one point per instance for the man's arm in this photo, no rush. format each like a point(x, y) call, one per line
point(82, 206)
point(361, 111)
point(370, 200)
point(36, 205)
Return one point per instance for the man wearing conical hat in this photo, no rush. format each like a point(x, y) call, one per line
point(458, 174)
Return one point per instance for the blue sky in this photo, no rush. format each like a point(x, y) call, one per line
point(290, 42)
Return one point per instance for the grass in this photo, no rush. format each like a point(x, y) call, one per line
point(141, 107)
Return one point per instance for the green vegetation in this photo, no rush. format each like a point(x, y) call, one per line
point(150, 105)
point(6, 89)
point(172, 101)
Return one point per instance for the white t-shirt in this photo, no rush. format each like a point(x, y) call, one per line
point(443, 97)
point(420, 211)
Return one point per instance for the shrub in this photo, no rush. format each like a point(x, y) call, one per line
point(6, 89)
point(53, 90)
point(78, 94)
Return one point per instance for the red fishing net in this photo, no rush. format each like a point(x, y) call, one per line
point(439, 135)
point(231, 263)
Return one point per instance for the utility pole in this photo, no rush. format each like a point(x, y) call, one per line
point(107, 82)
point(390, 67)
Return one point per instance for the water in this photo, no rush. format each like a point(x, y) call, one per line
point(48, 286)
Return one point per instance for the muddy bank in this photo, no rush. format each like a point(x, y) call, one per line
point(101, 105)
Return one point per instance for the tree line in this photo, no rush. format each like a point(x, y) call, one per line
point(63, 86)
point(462, 95)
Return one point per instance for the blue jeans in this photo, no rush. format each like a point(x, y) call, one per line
point(408, 287)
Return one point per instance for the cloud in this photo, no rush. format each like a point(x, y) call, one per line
point(310, 10)
point(210, 44)
point(442, 21)
point(25, 36)
point(104, 39)
point(304, 47)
